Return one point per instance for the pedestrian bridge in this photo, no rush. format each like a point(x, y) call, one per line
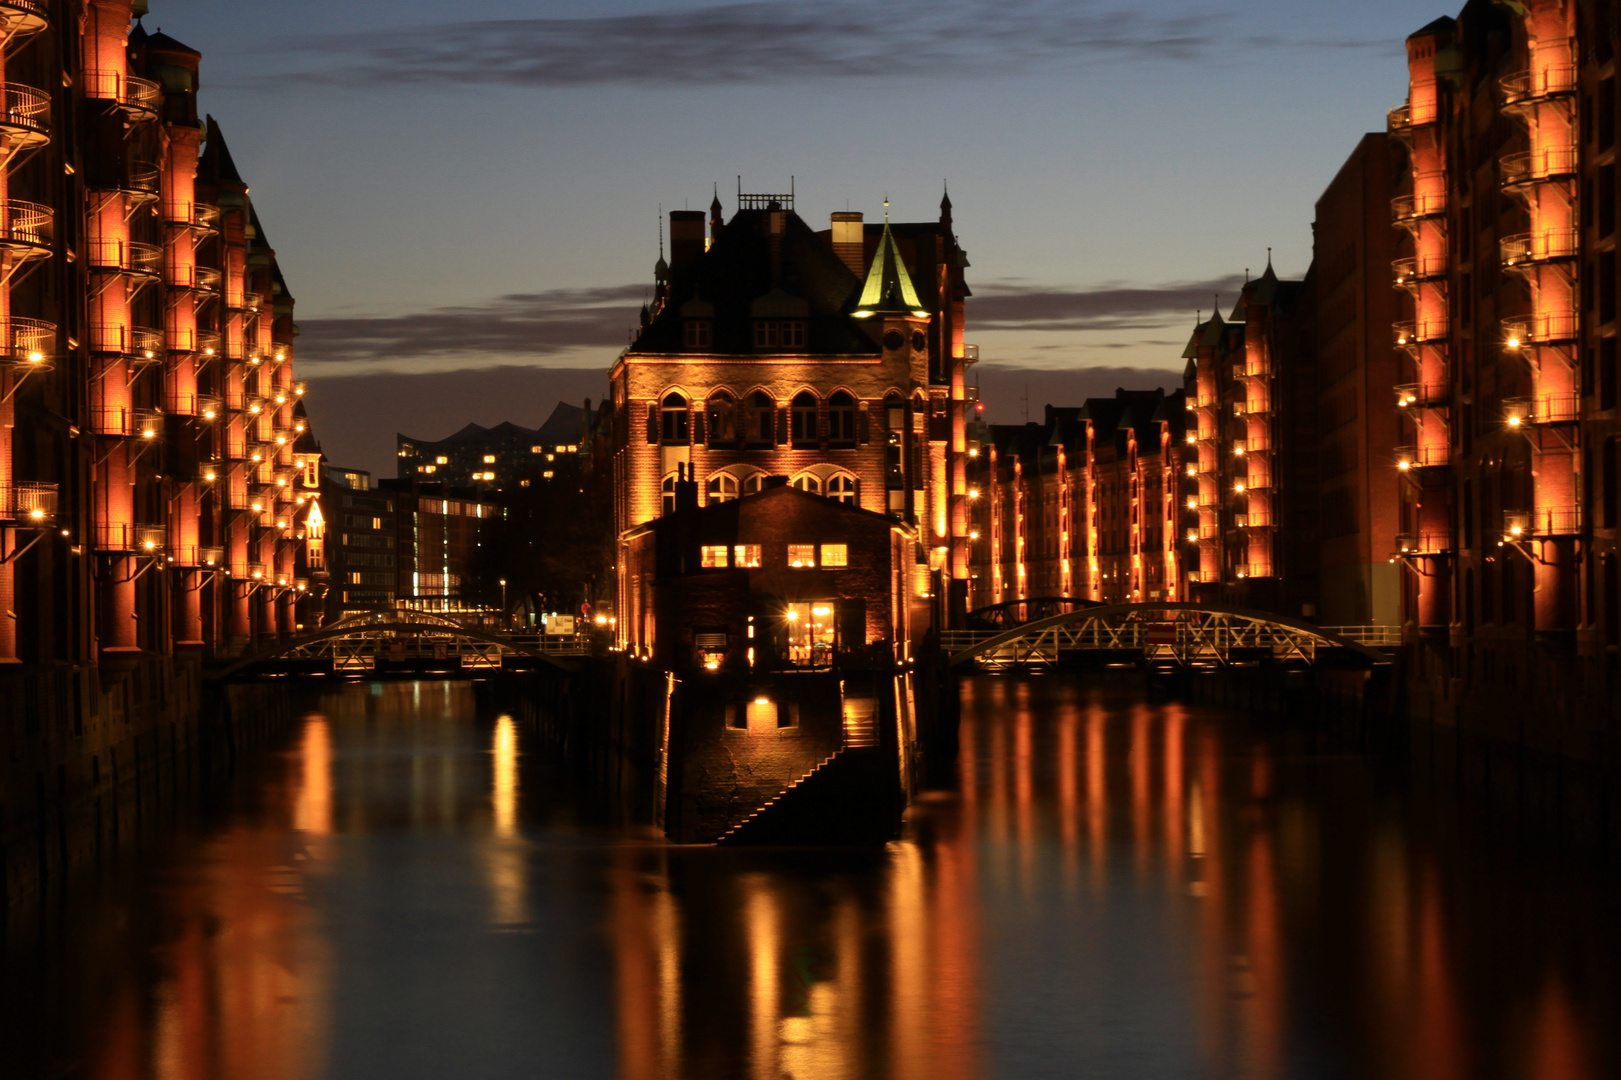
point(1168, 635)
point(402, 641)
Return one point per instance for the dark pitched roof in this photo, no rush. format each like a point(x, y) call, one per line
point(216, 166)
point(1444, 25)
point(565, 427)
point(164, 43)
point(739, 269)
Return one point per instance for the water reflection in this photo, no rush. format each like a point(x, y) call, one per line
point(1120, 889)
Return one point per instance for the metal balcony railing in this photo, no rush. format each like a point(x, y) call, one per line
point(1255, 569)
point(1203, 577)
point(27, 228)
point(1538, 166)
point(1421, 395)
point(1399, 119)
point(1529, 248)
point(1525, 87)
point(1522, 330)
point(233, 496)
point(31, 343)
point(281, 351)
point(125, 257)
point(210, 556)
point(1423, 544)
point(1422, 457)
point(209, 408)
point(126, 423)
point(28, 502)
point(204, 279)
point(141, 98)
point(143, 180)
point(256, 571)
point(196, 216)
point(24, 17)
point(1546, 409)
point(26, 115)
point(126, 537)
point(1404, 208)
point(1542, 523)
point(141, 343)
point(1410, 335)
point(1255, 519)
point(1415, 269)
point(208, 342)
point(210, 472)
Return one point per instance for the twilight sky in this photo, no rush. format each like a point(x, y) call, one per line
point(461, 194)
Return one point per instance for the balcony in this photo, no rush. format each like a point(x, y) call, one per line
point(198, 217)
point(300, 389)
point(248, 301)
point(26, 118)
point(140, 99)
point(1545, 523)
point(1255, 569)
point(1410, 335)
point(1531, 87)
point(1409, 272)
point(256, 571)
point(1555, 328)
point(32, 343)
point(125, 257)
point(233, 496)
point(1411, 544)
point(1422, 396)
point(1399, 121)
point(1545, 410)
point(209, 408)
point(1526, 249)
point(141, 344)
point(210, 472)
point(208, 343)
point(1413, 458)
point(281, 351)
point(28, 502)
point(27, 229)
point(136, 539)
point(23, 18)
point(1203, 577)
point(1412, 208)
point(1255, 519)
point(1538, 166)
point(202, 279)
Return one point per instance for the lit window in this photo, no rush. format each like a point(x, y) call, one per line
point(835, 555)
point(802, 555)
point(747, 555)
point(537, 449)
point(428, 468)
point(547, 475)
point(489, 459)
point(808, 482)
point(441, 461)
point(714, 556)
point(523, 483)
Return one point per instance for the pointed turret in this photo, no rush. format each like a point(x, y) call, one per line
point(888, 289)
point(216, 166)
point(945, 207)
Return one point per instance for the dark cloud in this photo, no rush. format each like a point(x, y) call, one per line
point(1025, 307)
point(775, 42)
point(527, 324)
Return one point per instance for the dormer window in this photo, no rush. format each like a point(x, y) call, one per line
point(779, 334)
point(696, 333)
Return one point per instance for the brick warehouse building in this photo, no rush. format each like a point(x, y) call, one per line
point(835, 359)
point(148, 471)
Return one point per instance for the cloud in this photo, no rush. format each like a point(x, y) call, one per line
point(1011, 306)
point(532, 325)
point(768, 42)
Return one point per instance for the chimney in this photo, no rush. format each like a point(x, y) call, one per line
point(849, 240)
point(686, 237)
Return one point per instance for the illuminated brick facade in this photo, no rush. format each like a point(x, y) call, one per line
point(833, 359)
point(150, 458)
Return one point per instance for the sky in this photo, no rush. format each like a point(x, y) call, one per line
point(465, 199)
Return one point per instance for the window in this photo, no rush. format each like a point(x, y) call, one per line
point(722, 420)
point(757, 418)
point(722, 488)
point(842, 488)
point(841, 419)
point(713, 556)
point(775, 334)
point(696, 333)
point(673, 417)
point(802, 419)
point(802, 556)
point(441, 461)
point(754, 483)
point(746, 555)
point(808, 482)
point(489, 459)
point(668, 491)
point(835, 555)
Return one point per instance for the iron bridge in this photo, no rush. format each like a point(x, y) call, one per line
point(358, 644)
point(1168, 635)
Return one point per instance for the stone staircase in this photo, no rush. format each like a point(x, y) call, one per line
point(853, 797)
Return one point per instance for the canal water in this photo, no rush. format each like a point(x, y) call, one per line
point(1121, 888)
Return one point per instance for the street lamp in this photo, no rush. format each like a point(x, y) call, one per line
point(503, 603)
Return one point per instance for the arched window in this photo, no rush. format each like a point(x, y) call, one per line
point(841, 420)
point(667, 489)
point(757, 419)
point(673, 416)
point(808, 482)
point(803, 419)
point(754, 483)
point(842, 488)
point(722, 419)
point(895, 412)
point(722, 488)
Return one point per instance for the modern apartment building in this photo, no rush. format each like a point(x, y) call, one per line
point(148, 410)
point(503, 459)
point(834, 359)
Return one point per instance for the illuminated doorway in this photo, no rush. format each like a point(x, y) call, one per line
point(810, 633)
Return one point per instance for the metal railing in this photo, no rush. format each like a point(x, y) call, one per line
point(1526, 86)
point(1546, 409)
point(1410, 335)
point(1422, 457)
point(1204, 577)
point(27, 224)
point(1421, 395)
point(191, 276)
point(1418, 268)
point(1523, 248)
point(29, 502)
point(26, 114)
point(32, 342)
point(1544, 522)
point(210, 472)
point(1536, 166)
point(1255, 519)
point(1415, 207)
point(1423, 544)
point(143, 179)
point(1521, 330)
point(133, 94)
point(199, 216)
point(138, 342)
point(1378, 637)
point(125, 257)
point(1255, 569)
point(124, 536)
point(208, 342)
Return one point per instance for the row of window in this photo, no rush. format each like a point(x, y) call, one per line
point(725, 486)
point(751, 419)
point(800, 556)
point(768, 334)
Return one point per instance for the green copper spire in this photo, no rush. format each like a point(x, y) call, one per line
point(889, 288)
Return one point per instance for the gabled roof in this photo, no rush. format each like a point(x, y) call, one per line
point(1205, 333)
point(888, 289)
point(1444, 25)
point(164, 43)
point(216, 166)
point(565, 427)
